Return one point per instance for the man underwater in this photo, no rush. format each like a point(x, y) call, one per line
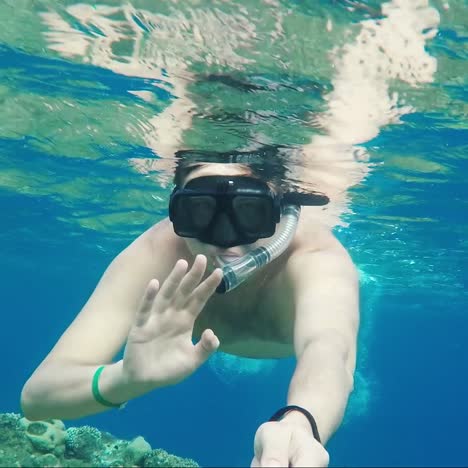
point(285, 286)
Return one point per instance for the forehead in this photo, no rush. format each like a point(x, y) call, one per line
point(210, 169)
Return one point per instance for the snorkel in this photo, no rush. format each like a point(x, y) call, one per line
point(237, 271)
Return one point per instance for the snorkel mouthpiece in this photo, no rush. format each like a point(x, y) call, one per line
point(234, 273)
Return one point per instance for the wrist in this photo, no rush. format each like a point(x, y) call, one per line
point(115, 387)
point(298, 419)
point(282, 413)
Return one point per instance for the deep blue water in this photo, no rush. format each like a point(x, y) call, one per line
point(409, 407)
point(415, 351)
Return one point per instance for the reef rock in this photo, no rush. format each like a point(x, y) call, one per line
point(25, 443)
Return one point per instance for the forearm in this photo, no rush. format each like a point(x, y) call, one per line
point(321, 384)
point(64, 391)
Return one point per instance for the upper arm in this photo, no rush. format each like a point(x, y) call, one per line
point(326, 302)
point(99, 330)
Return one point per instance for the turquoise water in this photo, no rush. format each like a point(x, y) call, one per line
point(85, 167)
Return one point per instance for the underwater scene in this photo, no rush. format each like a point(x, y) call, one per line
point(364, 101)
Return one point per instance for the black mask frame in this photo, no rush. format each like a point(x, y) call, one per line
point(220, 201)
point(219, 196)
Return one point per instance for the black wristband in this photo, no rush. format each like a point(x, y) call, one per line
point(281, 412)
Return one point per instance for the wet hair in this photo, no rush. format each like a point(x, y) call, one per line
point(267, 163)
point(184, 170)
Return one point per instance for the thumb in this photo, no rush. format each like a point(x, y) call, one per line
point(206, 346)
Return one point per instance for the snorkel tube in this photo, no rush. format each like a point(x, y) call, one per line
point(234, 273)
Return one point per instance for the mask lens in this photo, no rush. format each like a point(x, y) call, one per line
point(254, 214)
point(194, 213)
point(202, 209)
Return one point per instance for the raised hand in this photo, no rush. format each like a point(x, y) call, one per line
point(159, 349)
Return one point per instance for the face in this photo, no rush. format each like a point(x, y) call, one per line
point(211, 251)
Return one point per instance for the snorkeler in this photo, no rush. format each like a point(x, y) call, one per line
point(249, 239)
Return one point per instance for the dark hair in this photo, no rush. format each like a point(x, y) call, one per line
point(267, 163)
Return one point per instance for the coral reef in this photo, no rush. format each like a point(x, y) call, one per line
point(25, 443)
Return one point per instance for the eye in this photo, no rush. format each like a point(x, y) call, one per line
point(253, 213)
point(200, 210)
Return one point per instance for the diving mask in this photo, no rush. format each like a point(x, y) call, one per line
point(225, 210)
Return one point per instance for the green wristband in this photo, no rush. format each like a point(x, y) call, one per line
point(97, 395)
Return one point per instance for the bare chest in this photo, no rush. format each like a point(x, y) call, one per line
point(252, 322)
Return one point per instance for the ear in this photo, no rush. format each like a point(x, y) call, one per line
point(306, 198)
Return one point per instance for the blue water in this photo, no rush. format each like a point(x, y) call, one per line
point(409, 407)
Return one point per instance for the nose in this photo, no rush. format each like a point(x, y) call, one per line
point(224, 234)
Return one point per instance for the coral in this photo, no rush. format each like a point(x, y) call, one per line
point(25, 443)
point(136, 451)
point(82, 442)
point(46, 459)
point(14, 445)
point(162, 458)
point(45, 436)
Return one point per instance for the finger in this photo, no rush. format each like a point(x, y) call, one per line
point(204, 291)
point(310, 453)
point(310, 458)
point(206, 346)
point(272, 445)
point(254, 463)
point(172, 282)
point(191, 280)
point(144, 311)
point(274, 460)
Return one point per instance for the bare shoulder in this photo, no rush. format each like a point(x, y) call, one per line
point(89, 338)
point(148, 256)
point(317, 252)
point(160, 242)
